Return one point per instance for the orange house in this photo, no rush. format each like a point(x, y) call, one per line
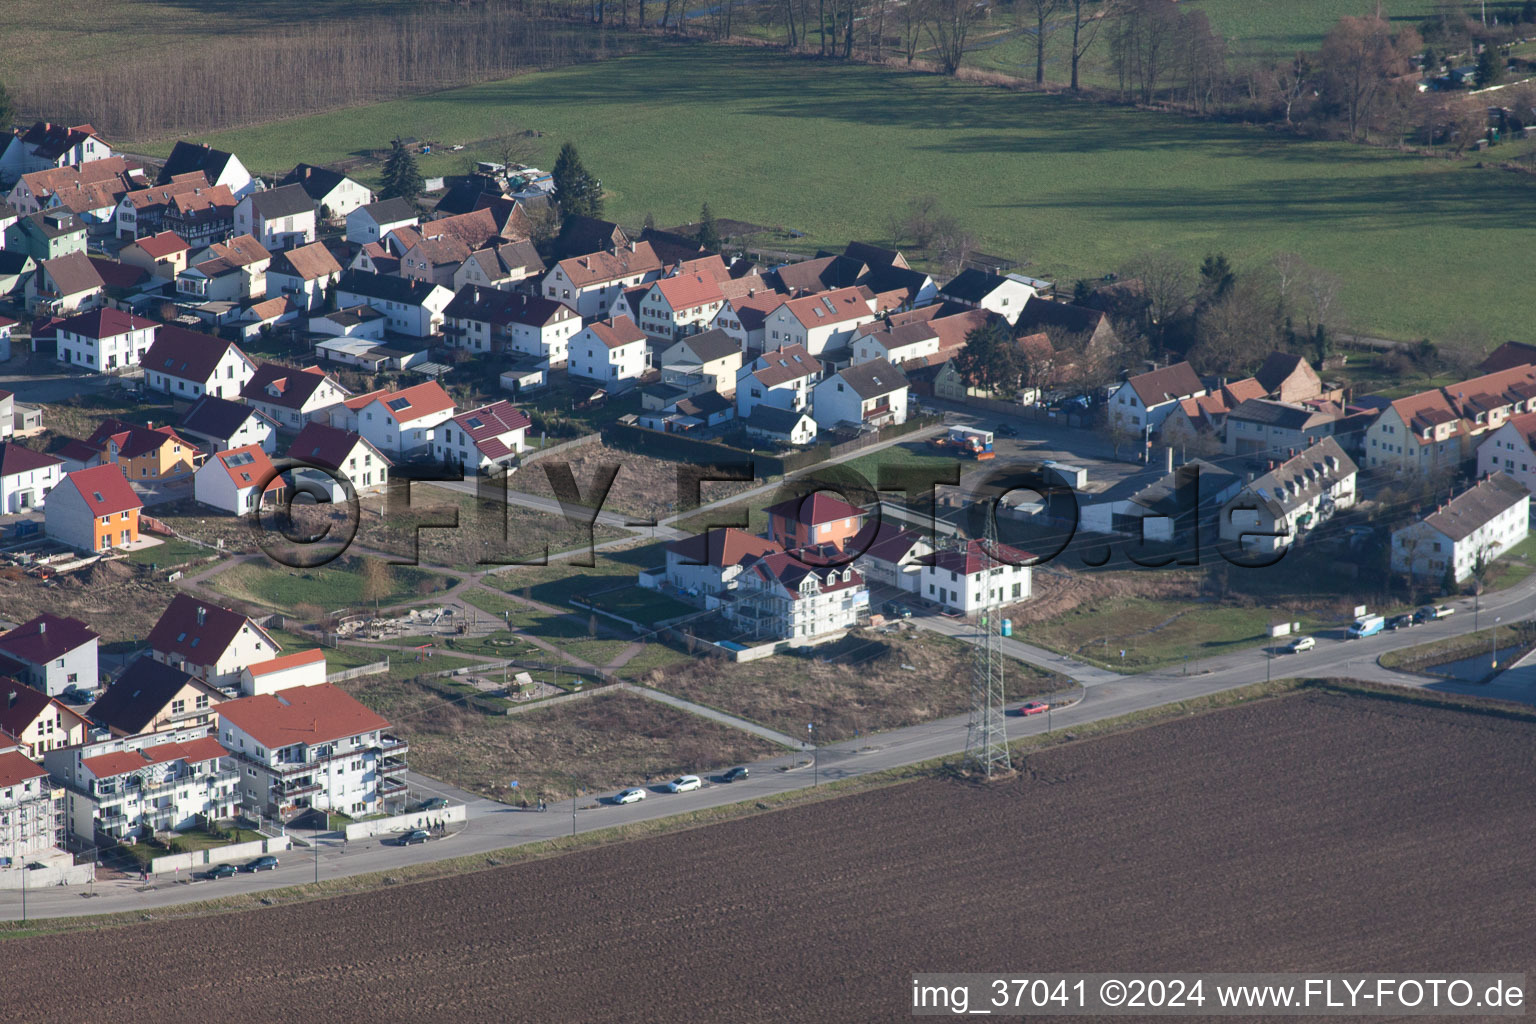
point(144, 453)
point(97, 510)
point(812, 520)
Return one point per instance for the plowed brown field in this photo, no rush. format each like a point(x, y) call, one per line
point(1315, 832)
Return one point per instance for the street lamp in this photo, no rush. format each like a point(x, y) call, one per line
point(1493, 644)
point(810, 727)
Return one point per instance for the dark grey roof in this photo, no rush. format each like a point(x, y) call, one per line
point(140, 693)
point(1278, 414)
point(874, 378)
point(704, 404)
point(1160, 495)
point(54, 223)
point(386, 288)
point(1041, 313)
point(1299, 480)
point(389, 211)
point(14, 262)
point(317, 182)
point(872, 255)
point(287, 201)
point(464, 193)
point(1471, 510)
point(187, 157)
point(490, 305)
point(216, 417)
point(712, 345)
point(972, 285)
point(773, 419)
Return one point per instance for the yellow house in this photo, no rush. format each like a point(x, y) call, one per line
point(144, 453)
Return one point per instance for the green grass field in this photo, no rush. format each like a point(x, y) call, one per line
point(337, 585)
point(834, 150)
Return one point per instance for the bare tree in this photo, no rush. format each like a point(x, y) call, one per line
point(1088, 17)
point(1167, 284)
point(1293, 79)
point(949, 24)
point(1359, 57)
point(1041, 12)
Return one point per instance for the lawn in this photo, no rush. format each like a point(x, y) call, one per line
point(602, 742)
point(865, 683)
point(172, 552)
point(1072, 189)
point(342, 583)
point(1513, 565)
point(1518, 635)
point(573, 633)
point(1152, 633)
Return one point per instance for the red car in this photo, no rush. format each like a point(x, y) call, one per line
point(1034, 707)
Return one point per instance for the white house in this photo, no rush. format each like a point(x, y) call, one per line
point(186, 364)
point(1511, 449)
point(291, 396)
point(590, 284)
point(342, 452)
point(335, 194)
point(894, 344)
point(135, 786)
point(219, 424)
point(781, 597)
point(482, 319)
point(482, 438)
point(822, 322)
point(977, 289)
point(743, 317)
point(402, 422)
point(27, 830)
point(374, 221)
point(313, 746)
point(1293, 498)
point(238, 481)
point(208, 642)
point(1140, 405)
point(503, 266)
point(892, 555)
point(611, 352)
point(1437, 430)
point(872, 394)
point(1478, 525)
point(414, 308)
point(781, 378)
point(53, 653)
point(971, 578)
point(104, 339)
point(46, 145)
point(64, 285)
point(279, 218)
point(304, 668)
point(678, 305)
point(303, 275)
point(26, 477)
point(702, 567)
point(782, 426)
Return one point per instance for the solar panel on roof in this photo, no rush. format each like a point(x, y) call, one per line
point(97, 495)
point(399, 403)
point(474, 423)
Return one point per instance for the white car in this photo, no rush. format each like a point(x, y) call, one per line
point(684, 783)
point(630, 796)
point(1302, 643)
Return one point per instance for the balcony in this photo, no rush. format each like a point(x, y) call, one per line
point(284, 790)
point(391, 766)
point(391, 787)
point(391, 744)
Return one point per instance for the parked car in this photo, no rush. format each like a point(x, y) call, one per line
point(266, 863)
point(1301, 643)
point(630, 796)
point(75, 695)
point(411, 838)
point(895, 610)
point(1034, 707)
point(1006, 430)
point(1403, 621)
point(684, 783)
point(735, 774)
point(218, 871)
point(437, 803)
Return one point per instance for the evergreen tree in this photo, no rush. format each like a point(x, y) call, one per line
point(650, 222)
point(401, 179)
point(1216, 276)
point(7, 109)
point(578, 193)
point(709, 235)
point(991, 360)
point(1082, 291)
point(1490, 68)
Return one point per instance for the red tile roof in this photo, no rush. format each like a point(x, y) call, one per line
point(248, 466)
point(16, 768)
point(485, 425)
point(301, 714)
point(975, 557)
point(621, 330)
point(287, 661)
point(602, 267)
point(104, 766)
point(689, 290)
point(15, 459)
point(724, 547)
point(189, 355)
point(105, 490)
point(179, 631)
point(785, 364)
point(789, 568)
point(46, 637)
point(412, 403)
point(166, 243)
point(285, 386)
point(833, 307)
point(814, 509)
point(328, 446)
point(103, 323)
point(20, 705)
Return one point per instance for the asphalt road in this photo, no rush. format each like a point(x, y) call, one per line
point(493, 826)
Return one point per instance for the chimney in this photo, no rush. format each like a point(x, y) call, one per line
point(42, 627)
point(12, 701)
point(1168, 460)
point(202, 615)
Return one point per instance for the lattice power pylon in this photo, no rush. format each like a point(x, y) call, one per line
point(986, 745)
